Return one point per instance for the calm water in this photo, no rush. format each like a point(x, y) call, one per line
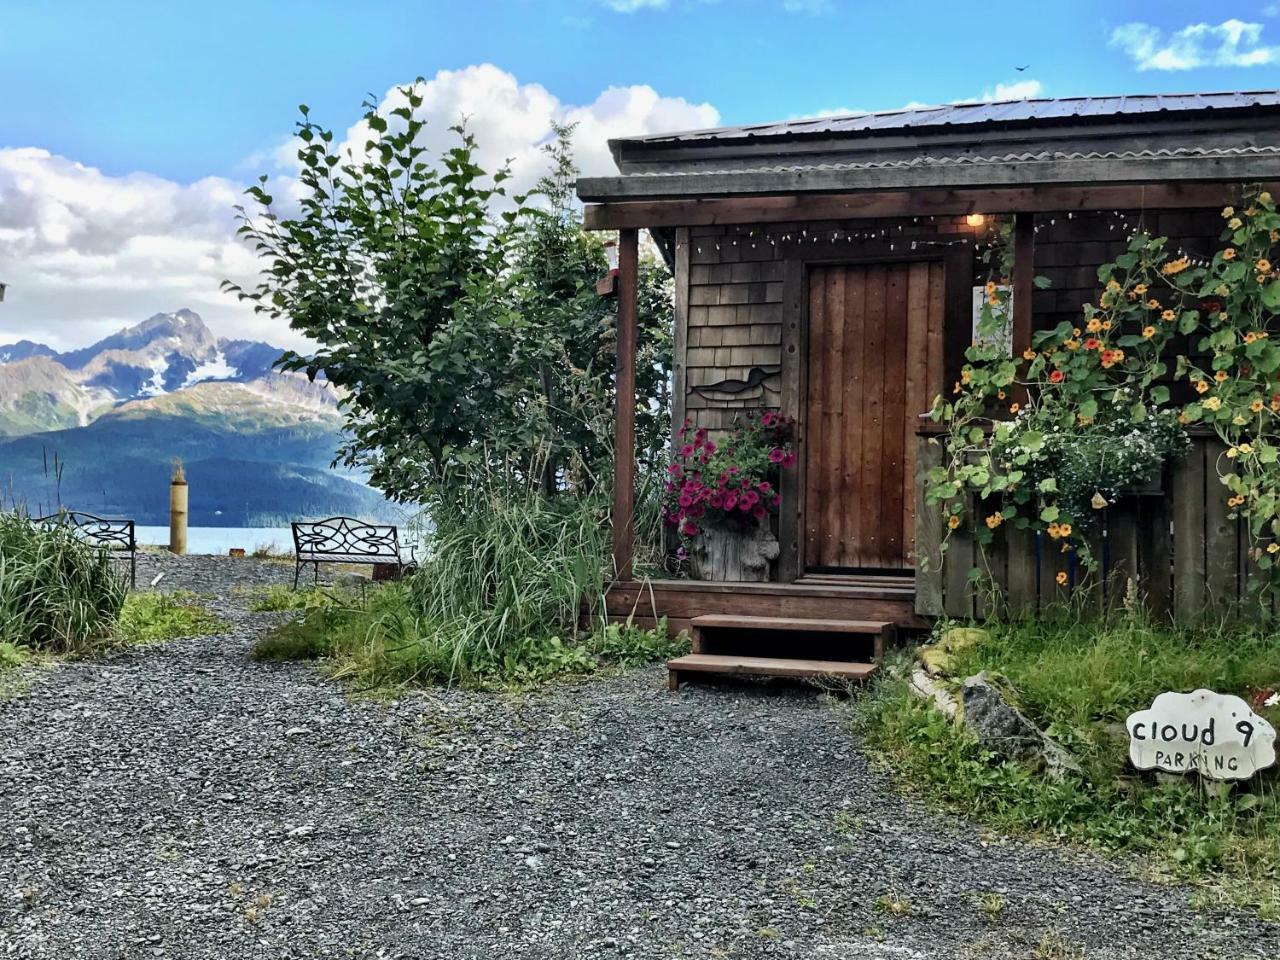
point(221, 539)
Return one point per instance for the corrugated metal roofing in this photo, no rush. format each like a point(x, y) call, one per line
point(968, 160)
point(976, 114)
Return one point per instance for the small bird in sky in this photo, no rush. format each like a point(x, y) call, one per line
point(1020, 69)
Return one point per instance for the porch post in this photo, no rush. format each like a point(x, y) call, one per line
point(1024, 269)
point(624, 436)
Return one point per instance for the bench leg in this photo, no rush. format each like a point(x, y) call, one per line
point(316, 566)
point(297, 571)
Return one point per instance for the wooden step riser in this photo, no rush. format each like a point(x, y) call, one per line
point(781, 643)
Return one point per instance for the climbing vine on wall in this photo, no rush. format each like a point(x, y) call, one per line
point(1049, 438)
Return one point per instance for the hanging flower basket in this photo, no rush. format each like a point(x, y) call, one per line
point(721, 499)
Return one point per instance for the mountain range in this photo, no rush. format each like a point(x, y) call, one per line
point(96, 429)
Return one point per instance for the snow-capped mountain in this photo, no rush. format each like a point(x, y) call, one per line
point(42, 389)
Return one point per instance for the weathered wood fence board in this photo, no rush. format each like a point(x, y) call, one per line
point(1178, 551)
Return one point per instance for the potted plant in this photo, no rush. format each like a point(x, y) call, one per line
point(721, 498)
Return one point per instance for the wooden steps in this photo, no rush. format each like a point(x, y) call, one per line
point(780, 633)
point(764, 667)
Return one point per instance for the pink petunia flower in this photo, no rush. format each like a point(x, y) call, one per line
point(690, 529)
point(777, 455)
point(686, 451)
point(730, 500)
point(789, 460)
point(759, 512)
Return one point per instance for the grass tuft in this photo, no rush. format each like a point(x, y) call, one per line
point(1079, 681)
point(153, 617)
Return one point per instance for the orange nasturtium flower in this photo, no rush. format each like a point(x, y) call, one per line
point(995, 520)
point(1213, 403)
point(1168, 316)
point(1094, 325)
point(1202, 386)
point(1014, 408)
point(1061, 578)
point(1229, 253)
point(1153, 303)
point(1150, 332)
point(1028, 354)
point(1175, 266)
point(953, 521)
point(1256, 406)
point(1264, 265)
point(1220, 376)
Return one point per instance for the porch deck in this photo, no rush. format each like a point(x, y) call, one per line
point(865, 597)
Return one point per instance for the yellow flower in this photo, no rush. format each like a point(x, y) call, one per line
point(1071, 344)
point(1222, 290)
point(1094, 325)
point(1014, 408)
point(1273, 547)
point(1140, 289)
point(1175, 266)
point(991, 288)
point(1238, 420)
point(1061, 578)
point(1274, 236)
point(1220, 376)
point(1229, 253)
point(999, 394)
point(1264, 265)
point(1264, 198)
point(965, 376)
point(1246, 448)
point(1054, 531)
point(1168, 316)
point(1202, 386)
point(1232, 453)
point(1228, 212)
point(1256, 406)
point(1075, 331)
point(1235, 223)
point(1148, 332)
point(1250, 337)
point(1028, 354)
point(1113, 285)
point(1106, 324)
point(994, 520)
point(953, 521)
point(1064, 529)
point(1153, 303)
point(1213, 403)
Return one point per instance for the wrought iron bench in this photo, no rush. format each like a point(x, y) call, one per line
point(114, 535)
point(346, 540)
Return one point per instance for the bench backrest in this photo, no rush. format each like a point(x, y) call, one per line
point(346, 540)
point(99, 531)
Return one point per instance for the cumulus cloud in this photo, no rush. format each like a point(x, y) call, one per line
point(86, 253)
point(1232, 43)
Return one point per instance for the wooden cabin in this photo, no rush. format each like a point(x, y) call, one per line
point(830, 265)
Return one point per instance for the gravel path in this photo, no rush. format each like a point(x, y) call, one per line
point(181, 801)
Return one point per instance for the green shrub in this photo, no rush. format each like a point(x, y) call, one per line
point(152, 617)
point(1079, 681)
point(57, 594)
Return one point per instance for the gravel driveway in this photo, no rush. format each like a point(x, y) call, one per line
point(181, 801)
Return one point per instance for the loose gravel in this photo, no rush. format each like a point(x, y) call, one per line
point(181, 801)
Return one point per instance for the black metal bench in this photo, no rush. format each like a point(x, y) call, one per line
point(113, 535)
point(346, 540)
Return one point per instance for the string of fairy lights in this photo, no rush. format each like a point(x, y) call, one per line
point(896, 236)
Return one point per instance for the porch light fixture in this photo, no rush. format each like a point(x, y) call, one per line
point(611, 252)
point(975, 219)
point(607, 286)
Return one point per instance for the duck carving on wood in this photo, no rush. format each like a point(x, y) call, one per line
point(731, 389)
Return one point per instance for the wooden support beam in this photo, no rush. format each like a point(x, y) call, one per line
point(1024, 271)
point(871, 204)
point(624, 436)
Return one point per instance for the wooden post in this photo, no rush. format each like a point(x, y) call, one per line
point(1024, 271)
point(178, 511)
point(624, 436)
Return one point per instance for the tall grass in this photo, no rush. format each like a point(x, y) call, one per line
point(57, 594)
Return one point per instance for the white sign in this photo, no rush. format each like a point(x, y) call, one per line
point(1003, 340)
point(1215, 735)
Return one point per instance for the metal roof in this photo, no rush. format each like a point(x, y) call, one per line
point(976, 114)
point(1132, 139)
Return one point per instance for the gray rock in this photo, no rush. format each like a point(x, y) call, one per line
point(988, 712)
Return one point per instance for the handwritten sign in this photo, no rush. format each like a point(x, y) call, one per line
point(1215, 735)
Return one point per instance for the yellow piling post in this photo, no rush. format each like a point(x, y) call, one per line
point(178, 509)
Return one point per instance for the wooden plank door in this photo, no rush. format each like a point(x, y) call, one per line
point(874, 364)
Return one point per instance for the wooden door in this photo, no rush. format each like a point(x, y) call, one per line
point(874, 364)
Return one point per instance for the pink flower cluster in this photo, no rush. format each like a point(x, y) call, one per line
point(703, 487)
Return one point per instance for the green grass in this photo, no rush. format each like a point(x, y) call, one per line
point(153, 617)
point(1079, 681)
point(57, 594)
point(282, 597)
point(13, 656)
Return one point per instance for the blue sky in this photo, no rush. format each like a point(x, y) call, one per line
point(174, 106)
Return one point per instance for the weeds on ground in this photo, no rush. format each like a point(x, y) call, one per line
point(1079, 681)
point(13, 656)
point(281, 597)
point(153, 617)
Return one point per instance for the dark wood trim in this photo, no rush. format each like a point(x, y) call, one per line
point(680, 335)
point(1024, 269)
point(957, 314)
point(624, 442)
point(794, 340)
point(872, 204)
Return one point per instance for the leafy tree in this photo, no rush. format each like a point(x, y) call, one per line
point(470, 343)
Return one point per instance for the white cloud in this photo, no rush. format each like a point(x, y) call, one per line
point(631, 6)
point(1019, 90)
point(85, 253)
point(1232, 43)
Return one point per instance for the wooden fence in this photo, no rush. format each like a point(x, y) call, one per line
point(1176, 549)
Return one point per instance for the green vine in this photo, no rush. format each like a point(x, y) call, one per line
point(1050, 438)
